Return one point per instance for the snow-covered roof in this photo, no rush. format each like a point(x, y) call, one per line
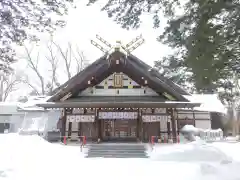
point(33, 100)
point(30, 105)
point(209, 102)
point(9, 107)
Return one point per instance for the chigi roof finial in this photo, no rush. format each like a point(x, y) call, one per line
point(127, 49)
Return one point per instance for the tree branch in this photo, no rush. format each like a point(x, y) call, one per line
point(66, 60)
point(80, 60)
point(54, 65)
point(34, 67)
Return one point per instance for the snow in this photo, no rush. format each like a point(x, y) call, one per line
point(190, 152)
point(216, 160)
point(36, 124)
point(9, 107)
point(31, 157)
point(190, 128)
point(210, 102)
point(30, 105)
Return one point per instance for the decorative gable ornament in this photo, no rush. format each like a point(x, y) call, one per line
point(127, 49)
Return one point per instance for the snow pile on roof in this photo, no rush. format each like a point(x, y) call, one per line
point(210, 102)
point(32, 101)
point(9, 107)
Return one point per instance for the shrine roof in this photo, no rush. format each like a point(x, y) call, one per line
point(128, 64)
point(112, 99)
point(133, 104)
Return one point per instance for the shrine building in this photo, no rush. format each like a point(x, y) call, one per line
point(120, 98)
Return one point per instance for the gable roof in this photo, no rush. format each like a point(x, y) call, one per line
point(129, 65)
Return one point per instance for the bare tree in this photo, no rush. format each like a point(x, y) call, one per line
point(81, 60)
point(73, 59)
point(9, 82)
point(33, 64)
point(70, 54)
point(53, 60)
point(67, 57)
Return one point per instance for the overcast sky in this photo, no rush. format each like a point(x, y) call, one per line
point(83, 23)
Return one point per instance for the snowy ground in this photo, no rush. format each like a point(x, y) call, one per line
point(32, 158)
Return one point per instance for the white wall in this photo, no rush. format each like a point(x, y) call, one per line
point(197, 115)
point(122, 92)
point(202, 119)
point(203, 124)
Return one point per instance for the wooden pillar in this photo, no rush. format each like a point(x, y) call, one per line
point(79, 129)
point(173, 122)
point(140, 125)
point(63, 123)
point(194, 119)
point(96, 125)
point(99, 126)
point(69, 129)
point(69, 134)
point(178, 128)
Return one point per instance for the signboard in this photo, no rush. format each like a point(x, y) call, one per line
point(77, 111)
point(157, 110)
point(154, 118)
point(118, 80)
point(118, 115)
point(160, 110)
point(81, 111)
point(80, 118)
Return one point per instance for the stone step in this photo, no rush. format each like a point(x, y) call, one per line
point(117, 147)
point(116, 153)
point(116, 156)
point(117, 150)
point(118, 144)
point(112, 149)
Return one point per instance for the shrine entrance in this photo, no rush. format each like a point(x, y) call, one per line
point(119, 130)
point(118, 126)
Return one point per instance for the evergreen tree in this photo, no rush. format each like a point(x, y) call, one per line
point(204, 35)
point(20, 20)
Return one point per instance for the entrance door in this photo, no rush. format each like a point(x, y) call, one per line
point(120, 130)
point(150, 129)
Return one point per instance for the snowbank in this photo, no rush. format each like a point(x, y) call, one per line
point(22, 154)
point(31, 157)
point(217, 161)
point(197, 151)
point(190, 128)
point(230, 148)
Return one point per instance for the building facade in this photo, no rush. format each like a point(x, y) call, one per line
point(120, 98)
